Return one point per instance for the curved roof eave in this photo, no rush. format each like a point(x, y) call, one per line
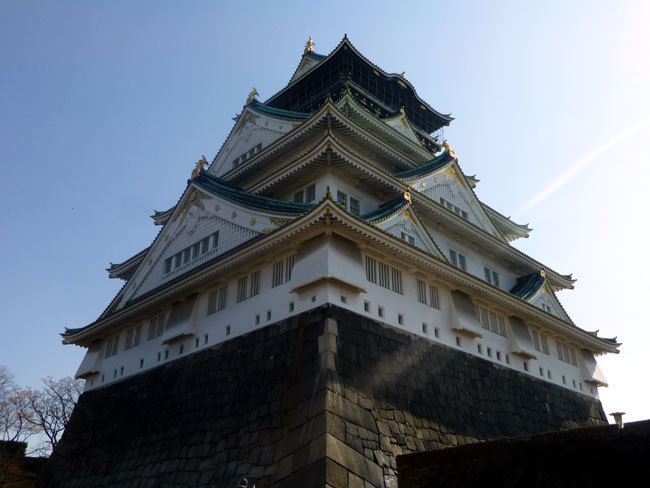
point(445, 119)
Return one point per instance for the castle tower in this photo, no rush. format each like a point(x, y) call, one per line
point(328, 293)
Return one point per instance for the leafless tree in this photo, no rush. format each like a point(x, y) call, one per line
point(50, 408)
point(15, 424)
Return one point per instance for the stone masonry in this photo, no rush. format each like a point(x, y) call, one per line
point(324, 399)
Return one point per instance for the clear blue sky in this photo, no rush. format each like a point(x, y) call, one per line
point(105, 107)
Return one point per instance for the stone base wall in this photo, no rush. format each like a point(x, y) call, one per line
point(325, 399)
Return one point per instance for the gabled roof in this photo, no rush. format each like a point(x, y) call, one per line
point(277, 112)
point(235, 194)
point(427, 168)
point(307, 91)
point(125, 269)
point(327, 213)
point(386, 210)
point(527, 286)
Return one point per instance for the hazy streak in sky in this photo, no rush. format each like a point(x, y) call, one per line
point(579, 165)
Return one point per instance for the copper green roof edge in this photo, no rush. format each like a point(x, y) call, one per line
point(427, 168)
point(385, 210)
point(278, 112)
point(220, 187)
point(315, 56)
point(526, 286)
point(132, 258)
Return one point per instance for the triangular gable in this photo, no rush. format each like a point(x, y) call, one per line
point(400, 220)
point(446, 185)
point(309, 60)
point(401, 124)
point(546, 299)
point(257, 127)
point(211, 219)
point(535, 289)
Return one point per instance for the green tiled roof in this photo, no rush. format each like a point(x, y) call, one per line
point(385, 209)
point(222, 188)
point(278, 112)
point(427, 168)
point(528, 285)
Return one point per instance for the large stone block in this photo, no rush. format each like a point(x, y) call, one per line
point(299, 419)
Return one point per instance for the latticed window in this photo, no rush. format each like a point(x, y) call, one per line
point(458, 259)
point(408, 238)
point(342, 198)
point(355, 206)
point(215, 240)
point(298, 196)
point(491, 276)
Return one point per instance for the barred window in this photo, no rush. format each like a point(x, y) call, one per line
point(396, 280)
point(215, 240)
point(278, 273)
point(540, 341)
point(371, 269)
point(384, 275)
point(217, 300)
point(282, 270)
point(112, 345)
point(128, 344)
point(156, 326)
point(422, 291)
point(255, 284)
point(168, 265)
point(566, 354)
point(434, 299)
point(310, 193)
point(242, 289)
point(491, 321)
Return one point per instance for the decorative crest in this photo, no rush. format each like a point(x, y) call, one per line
point(542, 273)
point(199, 166)
point(309, 47)
point(403, 111)
point(252, 96)
point(407, 196)
point(448, 148)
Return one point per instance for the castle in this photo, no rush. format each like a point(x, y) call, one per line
point(326, 294)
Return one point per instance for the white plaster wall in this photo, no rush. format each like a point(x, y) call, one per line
point(211, 329)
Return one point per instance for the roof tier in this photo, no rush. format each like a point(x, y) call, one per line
point(347, 65)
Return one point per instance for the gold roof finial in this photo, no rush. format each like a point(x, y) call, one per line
point(542, 273)
point(403, 74)
point(199, 166)
point(252, 96)
point(448, 148)
point(407, 196)
point(309, 47)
